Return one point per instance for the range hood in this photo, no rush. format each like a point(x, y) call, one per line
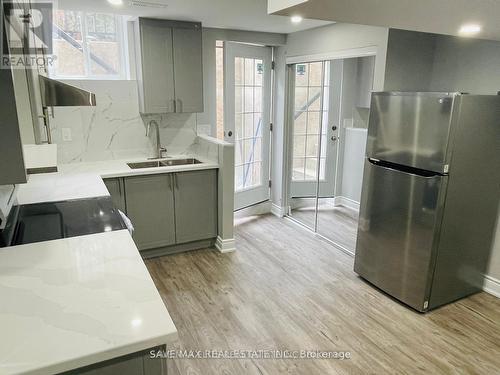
point(58, 94)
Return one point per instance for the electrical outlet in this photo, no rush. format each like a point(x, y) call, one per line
point(66, 134)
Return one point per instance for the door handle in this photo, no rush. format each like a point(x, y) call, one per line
point(229, 133)
point(334, 138)
point(410, 171)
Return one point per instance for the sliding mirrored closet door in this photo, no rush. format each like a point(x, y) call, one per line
point(328, 119)
point(313, 153)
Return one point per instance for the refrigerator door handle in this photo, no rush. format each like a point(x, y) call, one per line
point(404, 169)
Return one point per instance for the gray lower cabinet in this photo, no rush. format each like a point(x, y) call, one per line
point(139, 363)
point(168, 209)
point(117, 192)
point(195, 205)
point(150, 207)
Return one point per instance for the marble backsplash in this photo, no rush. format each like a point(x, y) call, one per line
point(114, 129)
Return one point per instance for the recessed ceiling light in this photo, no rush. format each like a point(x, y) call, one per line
point(136, 322)
point(296, 19)
point(115, 2)
point(469, 29)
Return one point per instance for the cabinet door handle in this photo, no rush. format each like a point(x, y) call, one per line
point(175, 105)
point(176, 181)
point(170, 181)
point(180, 105)
point(120, 187)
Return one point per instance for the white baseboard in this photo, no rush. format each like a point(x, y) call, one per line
point(491, 286)
point(278, 210)
point(257, 209)
point(261, 209)
point(346, 202)
point(225, 245)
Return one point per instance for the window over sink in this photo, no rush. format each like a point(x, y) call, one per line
point(88, 46)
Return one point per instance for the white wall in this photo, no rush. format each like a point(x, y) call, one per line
point(364, 84)
point(353, 163)
point(334, 38)
point(357, 81)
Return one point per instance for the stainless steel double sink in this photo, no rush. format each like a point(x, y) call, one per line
point(163, 163)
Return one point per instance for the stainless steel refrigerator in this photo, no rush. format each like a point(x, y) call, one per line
point(430, 196)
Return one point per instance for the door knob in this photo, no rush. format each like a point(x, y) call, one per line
point(334, 128)
point(334, 138)
point(229, 133)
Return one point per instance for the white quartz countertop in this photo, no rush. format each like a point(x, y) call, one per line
point(68, 303)
point(53, 187)
point(119, 168)
point(84, 180)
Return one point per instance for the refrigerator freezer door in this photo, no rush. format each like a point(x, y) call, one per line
point(399, 216)
point(410, 129)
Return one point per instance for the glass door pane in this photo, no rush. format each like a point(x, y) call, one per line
point(248, 121)
point(329, 151)
point(247, 110)
point(307, 116)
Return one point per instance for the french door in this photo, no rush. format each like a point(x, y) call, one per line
point(247, 94)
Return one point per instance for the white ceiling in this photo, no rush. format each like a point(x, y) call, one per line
point(435, 16)
point(228, 14)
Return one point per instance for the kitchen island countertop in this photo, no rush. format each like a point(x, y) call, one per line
point(76, 301)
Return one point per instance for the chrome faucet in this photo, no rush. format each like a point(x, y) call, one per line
point(159, 149)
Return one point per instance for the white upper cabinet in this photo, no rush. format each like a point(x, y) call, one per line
point(169, 66)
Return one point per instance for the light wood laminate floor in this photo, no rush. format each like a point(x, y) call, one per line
point(286, 289)
point(337, 223)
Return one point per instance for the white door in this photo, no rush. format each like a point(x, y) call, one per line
point(247, 119)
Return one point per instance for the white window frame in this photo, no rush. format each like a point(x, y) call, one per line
point(122, 40)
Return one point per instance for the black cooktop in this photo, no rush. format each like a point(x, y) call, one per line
point(53, 220)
